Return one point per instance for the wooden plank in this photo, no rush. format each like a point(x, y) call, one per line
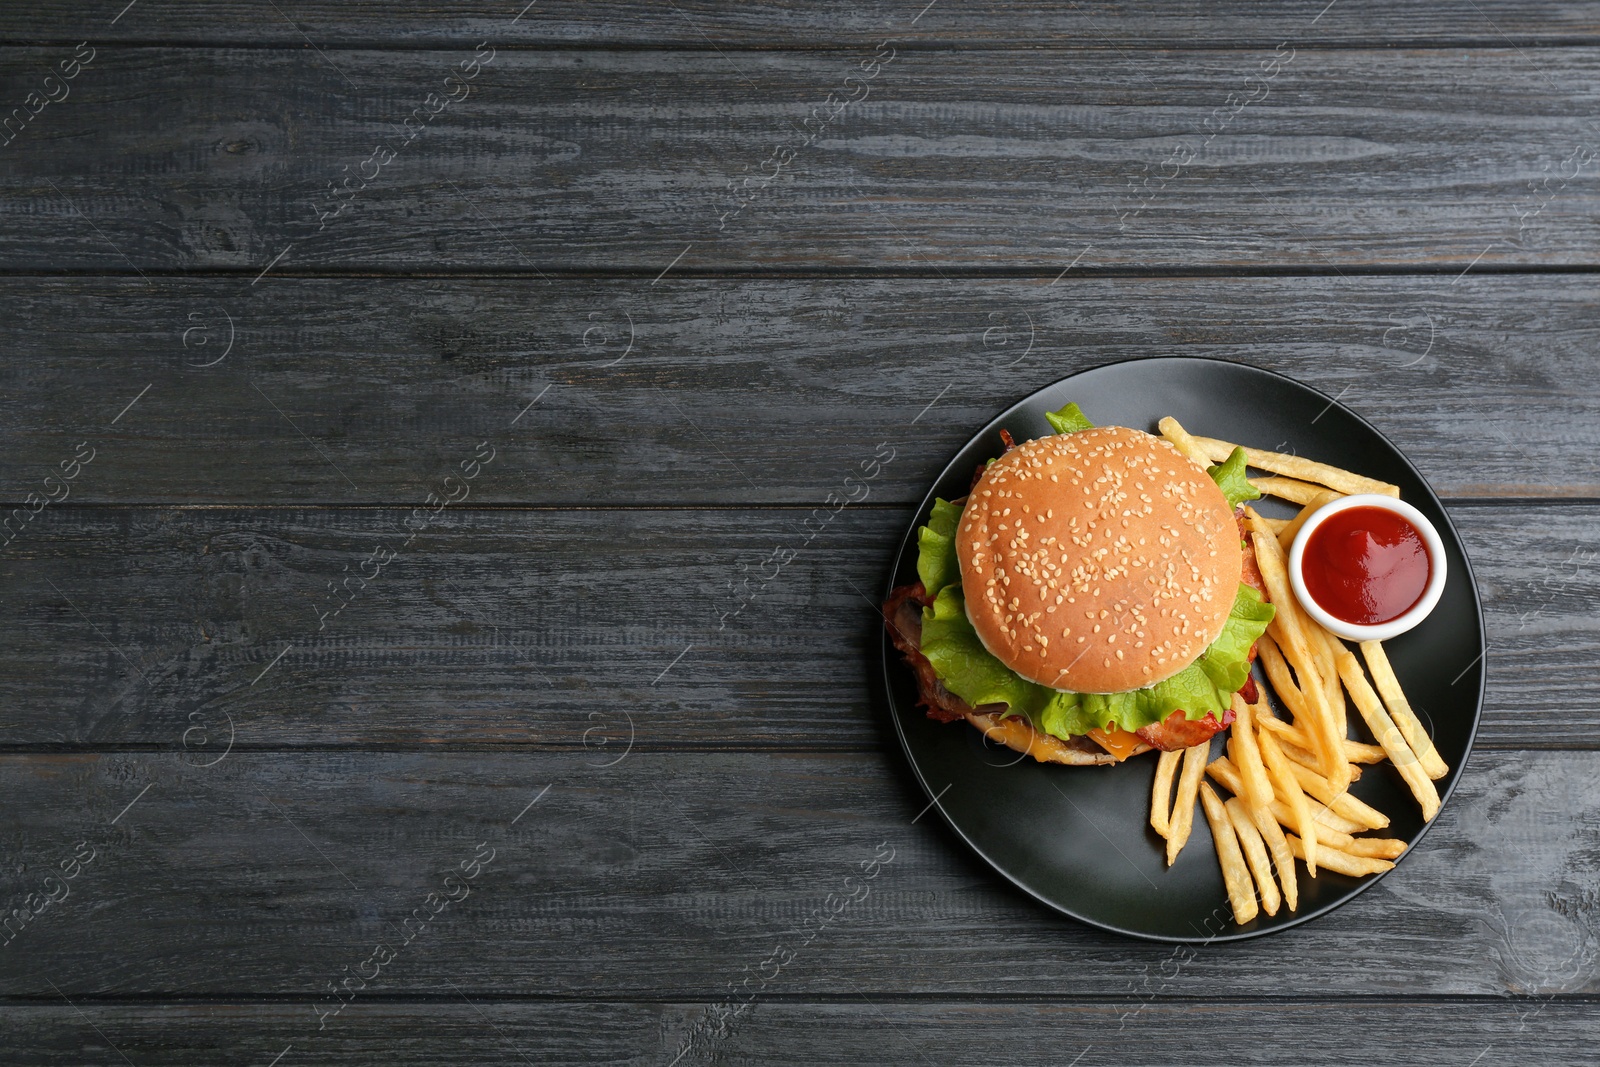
point(656, 394)
point(666, 874)
point(632, 159)
point(466, 1033)
point(692, 23)
point(496, 627)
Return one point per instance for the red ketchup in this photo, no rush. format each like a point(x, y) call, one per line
point(1366, 565)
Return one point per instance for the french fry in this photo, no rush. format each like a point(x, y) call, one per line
point(1354, 751)
point(1276, 525)
point(1394, 698)
point(1271, 556)
point(1290, 633)
point(1194, 768)
point(1321, 723)
point(1280, 677)
point(1383, 848)
point(1282, 857)
point(1329, 820)
point(1288, 787)
point(1161, 794)
point(1342, 862)
point(1295, 467)
point(1357, 811)
point(1287, 534)
point(1283, 682)
point(1312, 632)
point(1394, 743)
point(1255, 853)
point(1361, 752)
point(1227, 776)
point(1302, 648)
point(1290, 489)
point(1375, 848)
point(1235, 875)
point(1278, 674)
point(1327, 835)
point(1334, 839)
point(1327, 667)
point(1330, 837)
point(1179, 438)
point(1258, 791)
point(1307, 759)
point(1226, 773)
point(1253, 519)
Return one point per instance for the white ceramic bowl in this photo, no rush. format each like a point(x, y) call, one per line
point(1394, 627)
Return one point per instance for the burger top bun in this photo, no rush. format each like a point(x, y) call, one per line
point(1098, 561)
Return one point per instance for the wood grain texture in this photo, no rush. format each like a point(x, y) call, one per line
point(1347, 159)
point(666, 874)
point(463, 1032)
point(369, 390)
point(681, 303)
point(534, 628)
point(696, 23)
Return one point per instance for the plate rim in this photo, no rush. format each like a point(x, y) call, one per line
point(891, 658)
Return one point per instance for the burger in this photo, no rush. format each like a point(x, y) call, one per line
point(1091, 598)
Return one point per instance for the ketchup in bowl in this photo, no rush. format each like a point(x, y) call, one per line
point(1366, 565)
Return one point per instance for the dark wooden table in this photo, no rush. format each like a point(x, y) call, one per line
point(401, 407)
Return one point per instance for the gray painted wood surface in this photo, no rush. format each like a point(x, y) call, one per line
point(667, 873)
point(1402, 215)
point(850, 1029)
point(792, 24)
point(628, 160)
point(739, 391)
point(509, 627)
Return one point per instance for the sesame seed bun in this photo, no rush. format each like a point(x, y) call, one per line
point(1098, 561)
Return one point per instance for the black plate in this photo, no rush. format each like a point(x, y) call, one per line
point(1078, 838)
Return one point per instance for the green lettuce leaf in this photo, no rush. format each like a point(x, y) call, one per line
point(1069, 419)
point(1229, 476)
point(936, 547)
point(969, 671)
point(952, 646)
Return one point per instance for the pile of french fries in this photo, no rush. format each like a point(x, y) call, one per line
point(1295, 775)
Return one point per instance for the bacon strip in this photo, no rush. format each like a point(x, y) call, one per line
point(1252, 570)
point(902, 614)
point(1178, 732)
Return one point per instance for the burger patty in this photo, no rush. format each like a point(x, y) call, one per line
point(902, 615)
